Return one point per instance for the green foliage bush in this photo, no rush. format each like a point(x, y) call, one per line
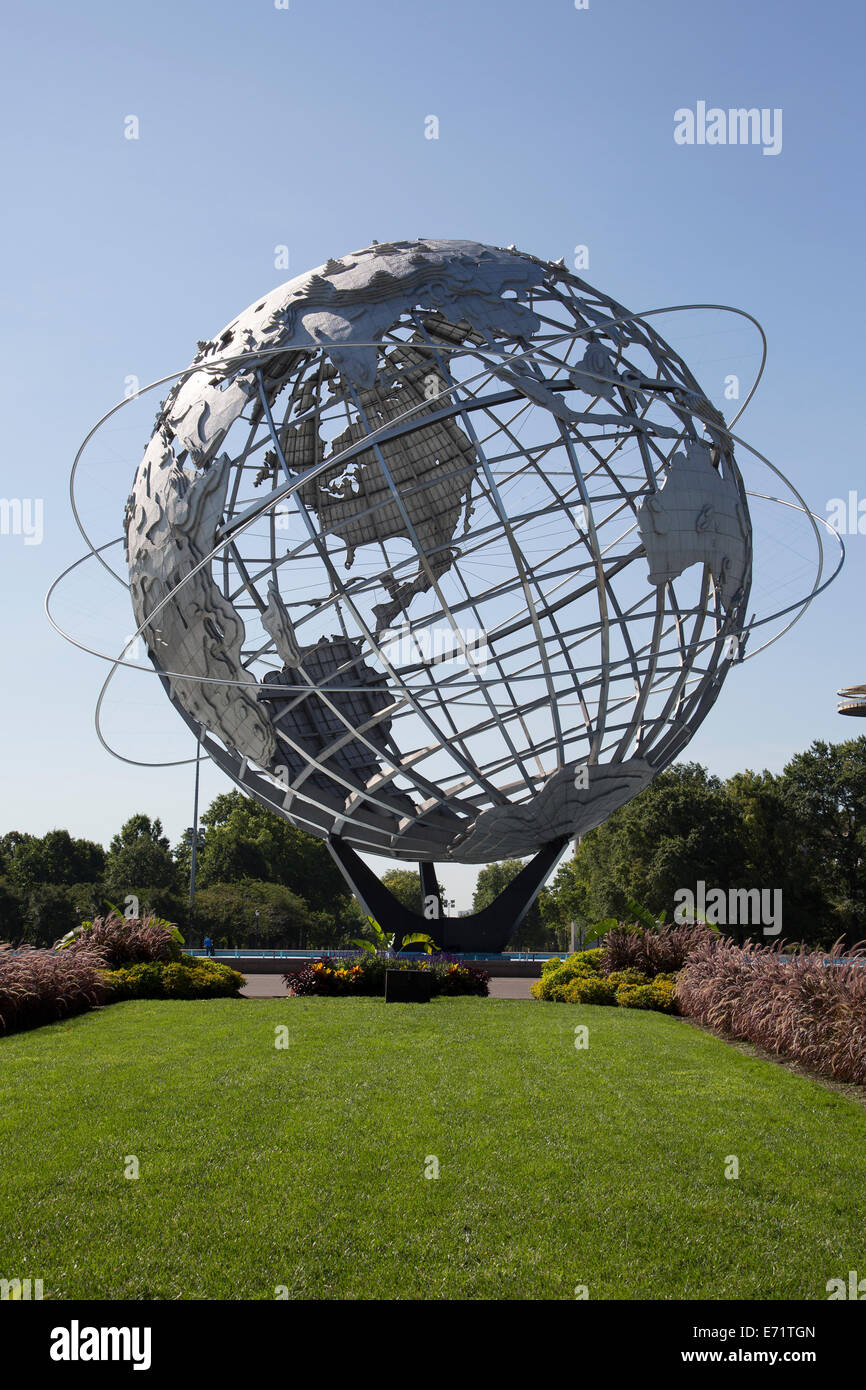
point(192, 977)
point(588, 989)
point(552, 964)
point(559, 974)
point(658, 994)
point(579, 980)
point(628, 977)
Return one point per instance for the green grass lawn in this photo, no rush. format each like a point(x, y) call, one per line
point(304, 1167)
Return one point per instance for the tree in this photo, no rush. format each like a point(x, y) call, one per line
point(245, 840)
point(405, 884)
point(50, 913)
point(54, 858)
point(12, 907)
point(139, 855)
point(825, 788)
point(182, 854)
point(258, 914)
point(564, 901)
point(681, 829)
point(492, 880)
point(228, 857)
point(776, 856)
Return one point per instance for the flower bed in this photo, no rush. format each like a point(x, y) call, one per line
point(364, 974)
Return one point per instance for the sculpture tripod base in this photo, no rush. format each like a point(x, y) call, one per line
point(485, 932)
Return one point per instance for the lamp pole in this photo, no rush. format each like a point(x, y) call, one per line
point(573, 923)
point(194, 846)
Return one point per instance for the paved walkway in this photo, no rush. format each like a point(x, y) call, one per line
point(264, 987)
point(272, 987)
point(506, 987)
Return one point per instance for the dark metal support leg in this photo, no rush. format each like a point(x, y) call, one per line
point(430, 890)
point(485, 931)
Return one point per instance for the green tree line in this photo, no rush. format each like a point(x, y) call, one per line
point(261, 882)
point(801, 831)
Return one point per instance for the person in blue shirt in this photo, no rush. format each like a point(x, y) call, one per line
point(208, 946)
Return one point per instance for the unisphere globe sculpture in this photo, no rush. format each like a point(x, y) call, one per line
point(446, 552)
point(441, 554)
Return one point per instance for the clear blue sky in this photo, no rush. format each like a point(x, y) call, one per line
point(305, 127)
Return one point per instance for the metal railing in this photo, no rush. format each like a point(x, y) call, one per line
point(255, 953)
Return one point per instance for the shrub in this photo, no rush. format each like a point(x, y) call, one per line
point(667, 950)
point(628, 977)
point(456, 979)
point(126, 940)
point(653, 952)
point(300, 982)
point(629, 988)
point(800, 1006)
point(579, 981)
point(658, 994)
point(588, 989)
point(635, 997)
point(38, 986)
point(189, 978)
point(365, 974)
point(590, 960)
point(622, 949)
point(554, 983)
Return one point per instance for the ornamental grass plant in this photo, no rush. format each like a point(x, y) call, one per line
point(808, 1006)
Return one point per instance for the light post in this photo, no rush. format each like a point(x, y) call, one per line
point(573, 923)
point(194, 835)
